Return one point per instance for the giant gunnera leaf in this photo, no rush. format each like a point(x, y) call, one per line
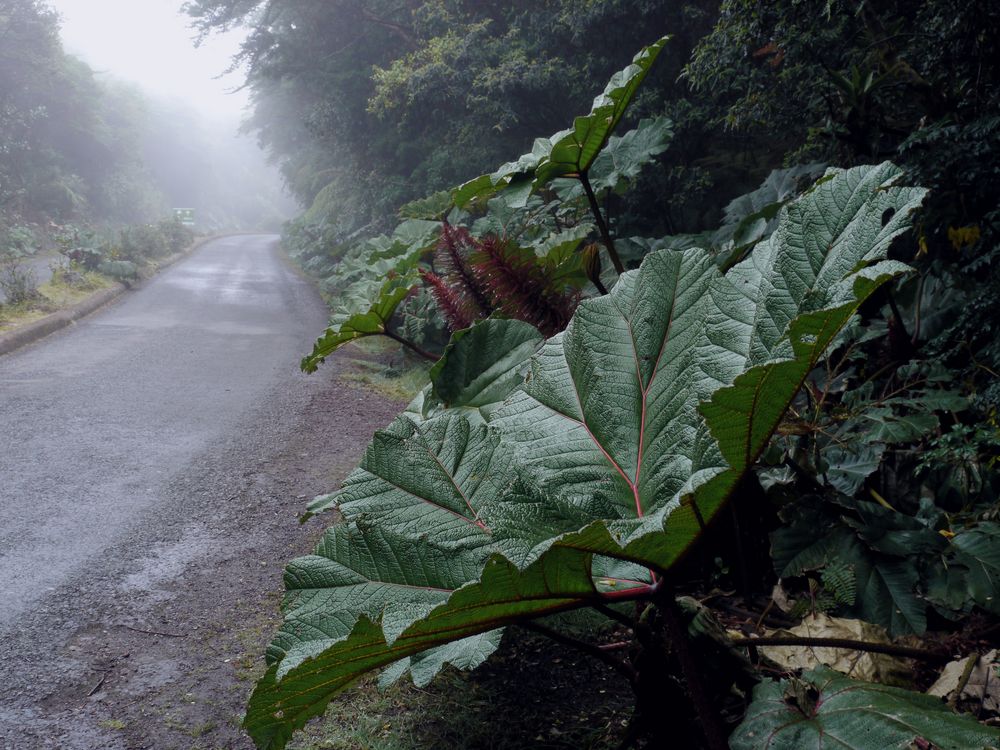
point(629, 433)
point(347, 325)
point(827, 710)
point(568, 152)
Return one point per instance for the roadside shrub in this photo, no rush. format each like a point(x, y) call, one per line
point(17, 281)
point(80, 246)
point(143, 241)
point(18, 240)
point(177, 235)
point(121, 270)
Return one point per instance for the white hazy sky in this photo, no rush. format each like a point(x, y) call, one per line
point(150, 42)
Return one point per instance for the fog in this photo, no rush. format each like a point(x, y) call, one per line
point(192, 107)
point(150, 42)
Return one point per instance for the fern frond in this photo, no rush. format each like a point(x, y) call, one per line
point(840, 582)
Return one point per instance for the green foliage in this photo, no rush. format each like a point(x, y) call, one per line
point(753, 216)
point(373, 321)
point(368, 283)
point(577, 469)
point(883, 472)
point(472, 277)
point(65, 138)
point(571, 152)
point(17, 281)
point(120, 270)
point(824, 707)
point(17, 241)
point(483, 365)
point(622, 160)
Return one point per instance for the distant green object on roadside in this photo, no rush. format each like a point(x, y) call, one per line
point(185, 216)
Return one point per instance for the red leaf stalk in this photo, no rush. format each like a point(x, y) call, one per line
point(453, 260)
point(455, 311)
point(520, 287)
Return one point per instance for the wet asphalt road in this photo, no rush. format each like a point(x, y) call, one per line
point(102, 424)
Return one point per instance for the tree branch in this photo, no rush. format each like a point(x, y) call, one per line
point(399, 30)
point(844, 643)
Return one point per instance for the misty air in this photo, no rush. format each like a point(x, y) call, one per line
point(552, 374)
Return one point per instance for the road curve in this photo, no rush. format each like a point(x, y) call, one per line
point(99, 422)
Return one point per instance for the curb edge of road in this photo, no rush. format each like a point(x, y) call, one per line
point(58, 320)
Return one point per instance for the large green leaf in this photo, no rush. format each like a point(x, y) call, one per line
point(751, 216)
point(621, 161)
point(571, 151)
point(848, 467)
point(633, 428)
point(887, 594)
point(434, 474)
point(347, 327)
point(611, 411)
point(434, 207)
point(317, 666)
point(482, 365)
point(827, 710)
point(978, 549)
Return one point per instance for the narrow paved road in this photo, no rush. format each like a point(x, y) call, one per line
point(93, 421)
point(129, 446)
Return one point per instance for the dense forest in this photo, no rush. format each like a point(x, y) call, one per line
point(718, 360)
point(79, 148)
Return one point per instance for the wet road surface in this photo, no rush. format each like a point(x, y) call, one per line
point(118, 438)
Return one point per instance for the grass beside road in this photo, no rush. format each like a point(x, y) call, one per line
point(54, 295)
point(385, 367)
point(530, 694)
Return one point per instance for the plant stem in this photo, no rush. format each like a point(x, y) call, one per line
point(602, 225)
point(845, 643)
point(411, 346)
point(916, 311)
point(970, 665)
point(613, 614)
point(590, 649)
point(638, 593)
point(711, 724)
point(897, 314)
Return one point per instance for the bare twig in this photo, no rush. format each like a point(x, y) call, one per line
point(155, 632)
point(619, 646)
point(844, 643)
point(970, 665)
point(100, 682)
